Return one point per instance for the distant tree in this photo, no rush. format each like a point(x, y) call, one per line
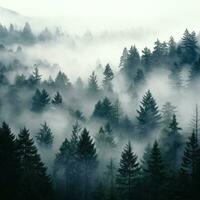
point(188, 48)
point(45, 35)
point(148, 114)
point(123, 58)
point(20, 80)
point(35, 77)
point(146, 157)
point(172, 52)
point(27, 34)
point(139, 79)
point(34, 181)
point(108, 77)
point(40, 100)
point(146, 59)
point(128, 173)
point(88, 159)
point(175, 77)
point(62, 81)
point(9, 164)
point(57, 100)
point(133, 62)
point(45, 136)
point(93, 87)
point(195, 73)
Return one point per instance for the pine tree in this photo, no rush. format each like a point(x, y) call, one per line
point(9, 164)
point(188, 48)
point(195, 73)
point(146, 59)
point(45, 136)
point(35, 78)
point(128, 173)
point(191, 158)
point(110, 180)
point(175, 77)
point(123, 58)
point(34, 181)
point(93, 84)
point(57, 100)
point(108, 77)
point(172, 52)
point(155, 172)
point(133, 62)
point(139, 80)
point(172, 143)
point(62, 81)
point(40, 100)
point(88, 160)
point(148, 114)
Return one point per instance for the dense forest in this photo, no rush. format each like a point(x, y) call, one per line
point(105, 138)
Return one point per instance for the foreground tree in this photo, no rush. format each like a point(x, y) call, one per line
point(34, 181)
point(128, 173)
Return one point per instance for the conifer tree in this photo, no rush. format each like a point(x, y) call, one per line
point(146, 59)
point(45, 136)
point(9, 164)
point(88, 160)
point(148, 114)
point(34, 181)
point(35, 77)
point(123, 58)
point(188, 48)
point(128, 173)
point(155, 172)
point(195, 73)
point(172, 52)
point(139, 80)
point(93, 84)
point(110, 180)
point(108, 77)
point(133, 62)
point(57, 100)
point(62, 81)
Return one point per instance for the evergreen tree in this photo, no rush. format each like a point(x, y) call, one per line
point(155, 172)
point(110, 180)
point(9, 164)
point(175, 77)
point(195, 73)
point(35, 78)
point(139, 79)
point(34, 181)
point(172, 143)
point(146, 59)
point(108, 77)
point(188, 48)
point(88, 160)
point(128, 173)
point(133, 62)
point(62, 81)
point(172, 52)
point(57, 100)
point(93, 84)
point(148, 114)
point(40, 100)
point(45, 136)
point(123, 58)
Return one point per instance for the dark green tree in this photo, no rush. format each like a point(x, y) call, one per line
point(93, 87)
point(9, 164)
point(88, 160)
point(146, 59)
point(34, 181)
point(148, 114)
point(128, 173)
point(123, 58)
point(108, 77)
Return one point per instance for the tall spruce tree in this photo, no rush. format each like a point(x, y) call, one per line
point(148, 114)
point(146, 59)
point(93, 87)
point(128, 173)
point(34, 181)
point(123, 58)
